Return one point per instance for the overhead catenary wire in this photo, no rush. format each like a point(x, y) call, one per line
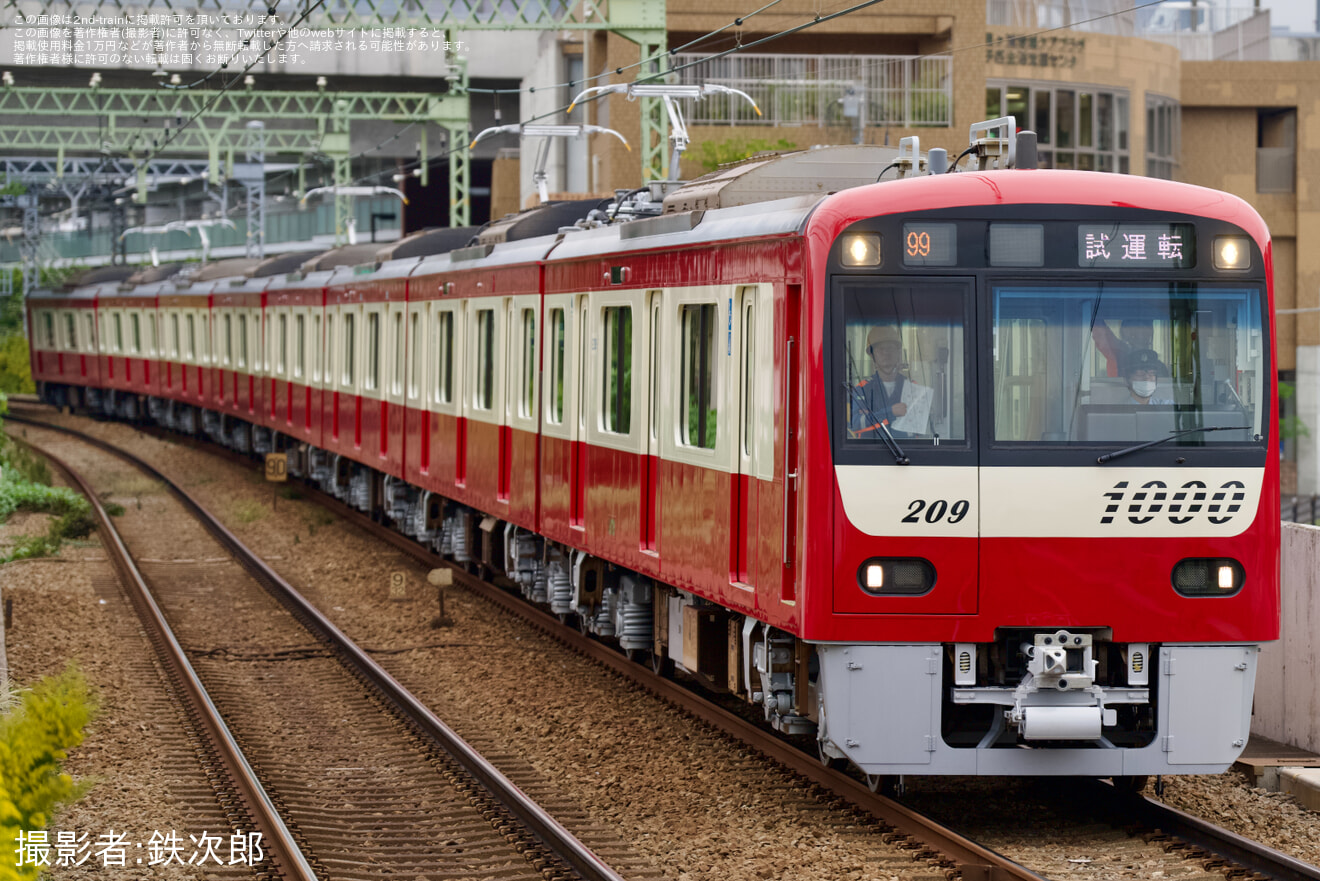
point(215, 96)
point(817, 20)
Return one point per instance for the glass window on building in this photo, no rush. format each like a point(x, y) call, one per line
point(1162, 136)
point(1083, 128)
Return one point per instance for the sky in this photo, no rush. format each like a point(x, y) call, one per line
point(1296, 15)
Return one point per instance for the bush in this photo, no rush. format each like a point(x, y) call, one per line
point(15, 368)
point(36, 733)
point(713, 154)
point(72, 512)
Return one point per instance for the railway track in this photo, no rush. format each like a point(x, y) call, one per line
point(394, 792)
point(1185, 837)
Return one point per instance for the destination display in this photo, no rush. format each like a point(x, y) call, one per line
point(1136, 245)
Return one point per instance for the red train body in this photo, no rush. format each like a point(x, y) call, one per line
point(668, 428)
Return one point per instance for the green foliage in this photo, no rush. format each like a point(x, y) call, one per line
point(36, 734)
point(249, 511)
point(114, 509)
point(1290, 427)
point(713, 154)
point(15, 366)
point(24, 486)
point(13, 188)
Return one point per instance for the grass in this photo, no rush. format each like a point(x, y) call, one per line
point(249, 511)
point(132, 484)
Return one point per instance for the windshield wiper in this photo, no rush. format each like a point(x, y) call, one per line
point(859, 401)
point(1114, 455)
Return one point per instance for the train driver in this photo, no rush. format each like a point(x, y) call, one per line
point(1142, 370)
point(887, 395)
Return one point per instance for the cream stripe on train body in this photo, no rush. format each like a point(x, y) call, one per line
point(1071, 502)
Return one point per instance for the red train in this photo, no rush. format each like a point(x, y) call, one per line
point(969, 473)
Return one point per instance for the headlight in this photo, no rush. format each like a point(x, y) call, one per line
point(1213, 577)
point(861, 249)
point(1232, 252)
point(896, 576)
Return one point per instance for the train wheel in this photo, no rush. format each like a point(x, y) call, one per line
point(1133, 784)
point(828, 760)
point(662, 665)
point(888, 785)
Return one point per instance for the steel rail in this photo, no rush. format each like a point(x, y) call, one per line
point(1225, 843)
point(558, 840)
point(974, 861)
point(284, 849)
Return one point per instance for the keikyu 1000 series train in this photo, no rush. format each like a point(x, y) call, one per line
point(962, 473)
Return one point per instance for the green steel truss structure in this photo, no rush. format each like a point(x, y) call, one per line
point(131, 122)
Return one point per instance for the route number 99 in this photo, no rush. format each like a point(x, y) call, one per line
point(918, 245)
point(937, 511)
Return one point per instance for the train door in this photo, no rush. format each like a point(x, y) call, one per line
point(754, 462)
point(789, 410)
point(578, 506)
point(650, 489)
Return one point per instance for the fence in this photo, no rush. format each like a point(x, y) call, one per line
point(1300, 509)
point(281, 226)
point(798, 90)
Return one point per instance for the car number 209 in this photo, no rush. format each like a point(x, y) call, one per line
point(937, 511)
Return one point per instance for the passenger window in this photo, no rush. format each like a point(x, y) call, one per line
point(242, 340)
point(617, 400)
point(396, 381)
point(748, 376)
point(483, 397)
point(444, 377)
point(135, 323)
point(192, 337)
point(151, 334)
point(299, 346)
point(699, 407)
point(655, 366)
point(119, 332)
point(415, 362)
point(174, 340)
point(556, 355)
point(71, 331)
point(316, 348)
point(373, 351)
point(527, 404)
point(350, 341)
point(90, 325)
point(283, 346)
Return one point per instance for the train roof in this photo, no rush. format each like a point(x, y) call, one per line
point(487, 256)
point(541, 220)
point(755, 220)
point(281, 264)
point(762, 179)
point(436, 240)
point(348, 255)
point(225, 268)
point(150, 274)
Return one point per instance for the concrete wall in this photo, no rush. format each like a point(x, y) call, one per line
point(1287, 688)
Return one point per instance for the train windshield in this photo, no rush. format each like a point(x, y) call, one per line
point(906, 368)
point(1107, 364)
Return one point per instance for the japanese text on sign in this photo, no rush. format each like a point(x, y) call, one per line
point(1137, 246)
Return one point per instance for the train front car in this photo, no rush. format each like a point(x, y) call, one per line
point(1043, 531)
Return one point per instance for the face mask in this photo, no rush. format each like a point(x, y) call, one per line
point(1143, 389)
